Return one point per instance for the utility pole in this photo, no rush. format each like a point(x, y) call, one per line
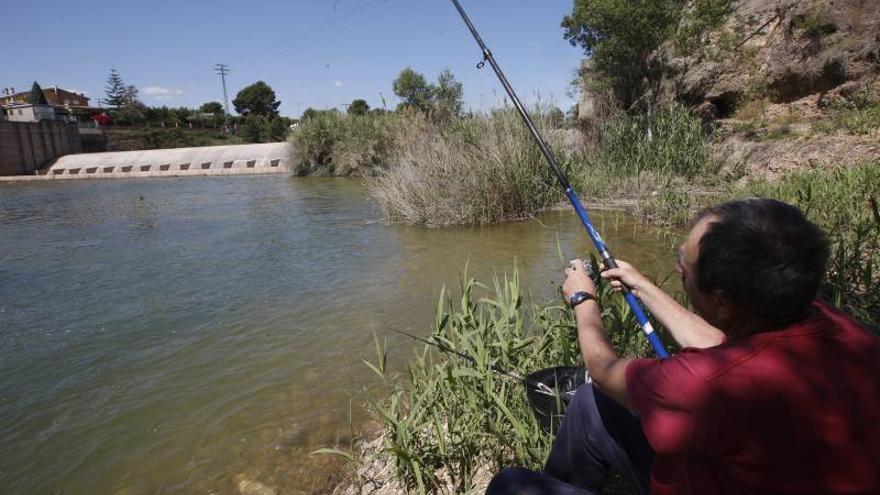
point(223, 69)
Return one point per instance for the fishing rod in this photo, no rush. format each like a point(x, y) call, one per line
point(607, 259)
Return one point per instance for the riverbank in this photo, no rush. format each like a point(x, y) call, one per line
point(448, 424)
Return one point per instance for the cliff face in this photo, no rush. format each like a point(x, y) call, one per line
point(802, 54)
point(782, 84)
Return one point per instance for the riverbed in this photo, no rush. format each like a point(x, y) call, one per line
point(182, 335)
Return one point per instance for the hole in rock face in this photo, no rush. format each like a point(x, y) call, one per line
point(227, 164)
point(58, 172)
point(91, 170)
point(109, 169)
point(206, 165)
point(725, 104)
point(251, 163)
point(274, 163)
point(145, 168)
point(73, 171)
point(165, 166)
point(127, 168)
point(184, 166)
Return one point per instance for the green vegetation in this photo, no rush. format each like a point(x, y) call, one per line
point(698, 18)
point(358, 107)
point(256, 99)
point(619, 35)
point(257, 128)
point(861, 120)
point(330, 143)
point(446, 418)
point(476, 170)
point(814, 24)
point(670, 142)
point(128, 139)
point(37, 97)
point(444, 100)
point(114, 90)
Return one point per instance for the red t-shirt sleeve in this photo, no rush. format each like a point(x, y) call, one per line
point(674, 404)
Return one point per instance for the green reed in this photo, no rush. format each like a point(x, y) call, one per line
point(446, 417)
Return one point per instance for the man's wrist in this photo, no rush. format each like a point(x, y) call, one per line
point(579, 297)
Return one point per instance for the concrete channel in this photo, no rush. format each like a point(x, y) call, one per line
point(243, 159)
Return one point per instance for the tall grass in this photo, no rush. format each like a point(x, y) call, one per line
point(331, 143)
point(669, 142)
point(476, 170)
point(447, 417)
point(844, 202)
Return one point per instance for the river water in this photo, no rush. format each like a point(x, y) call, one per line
point(181, 335)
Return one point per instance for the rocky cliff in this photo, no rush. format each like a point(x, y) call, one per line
point(781, 83)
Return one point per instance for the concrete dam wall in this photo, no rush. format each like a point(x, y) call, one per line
point(269, 158)
point(25, 147)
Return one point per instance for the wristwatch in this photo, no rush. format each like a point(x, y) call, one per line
point(579, 297)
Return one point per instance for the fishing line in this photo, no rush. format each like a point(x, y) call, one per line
point(539, 386)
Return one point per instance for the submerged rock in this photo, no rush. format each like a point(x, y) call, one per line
point(250, 487)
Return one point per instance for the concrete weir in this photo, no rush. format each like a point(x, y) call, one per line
point(269, 158)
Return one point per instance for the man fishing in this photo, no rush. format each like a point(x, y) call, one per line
point(772, 392)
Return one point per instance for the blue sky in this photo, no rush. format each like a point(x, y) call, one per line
point(313, 53)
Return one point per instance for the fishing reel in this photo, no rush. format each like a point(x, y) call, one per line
point(592, 270)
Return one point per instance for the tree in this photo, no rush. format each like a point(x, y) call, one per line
point(358, 107)
point(115, 90)
point(449, 95)
point(414, 90)
point(555, 117)
point(619, 35)
point(262, 129)
point(256, 99)
point(214, 107)
point(37, 97)
point(274, 130)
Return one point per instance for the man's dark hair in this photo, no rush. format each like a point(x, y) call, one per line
point(763, 255)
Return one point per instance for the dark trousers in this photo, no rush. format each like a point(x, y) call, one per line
point(597, 434)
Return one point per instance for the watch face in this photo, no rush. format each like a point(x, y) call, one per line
point(579, 297)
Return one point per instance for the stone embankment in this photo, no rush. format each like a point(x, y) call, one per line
point(269, 158)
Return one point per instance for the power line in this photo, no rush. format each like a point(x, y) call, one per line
point(223, 70)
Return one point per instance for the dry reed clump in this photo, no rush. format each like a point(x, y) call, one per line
point(475, 170)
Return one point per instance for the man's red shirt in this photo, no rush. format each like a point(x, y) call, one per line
point(791, 411)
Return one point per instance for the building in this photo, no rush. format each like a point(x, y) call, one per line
point(25, 112)
point(55, 96)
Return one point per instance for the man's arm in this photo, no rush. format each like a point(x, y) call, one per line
point(688, 329)
point(607, 370)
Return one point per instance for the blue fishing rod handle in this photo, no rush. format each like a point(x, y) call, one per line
point(605, 254)
point(646, 325)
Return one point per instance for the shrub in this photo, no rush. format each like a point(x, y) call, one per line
point(861, 120)
point(813, 25)
point(329, 143)
point(698, 18)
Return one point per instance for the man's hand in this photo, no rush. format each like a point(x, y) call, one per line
point(606, 369)
point(628, 275)
point(577, 279)
point(688, 329)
